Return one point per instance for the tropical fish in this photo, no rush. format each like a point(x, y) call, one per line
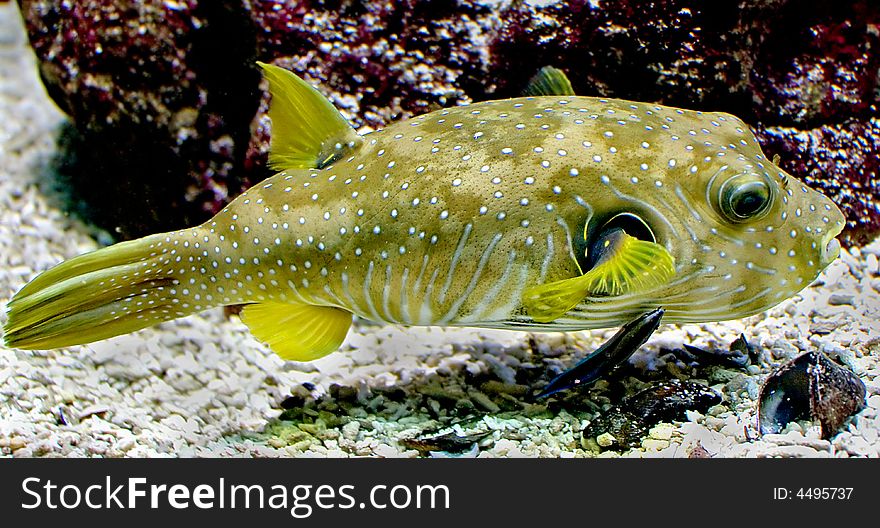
point(549, 212)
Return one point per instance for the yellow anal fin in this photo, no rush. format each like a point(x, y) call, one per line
point(629, 265)
point(549, 81)
point(297, 332)
point(307, 130)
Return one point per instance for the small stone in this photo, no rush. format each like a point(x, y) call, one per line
point(497, 387)
point(481, 400)
point(606, 440)
point(651, 444)
point(386, 451)
point(823, 327)
point(661, 431)
point(13, 443)
point(839, 299)
point(698, 451)
point(93, 410)
point(350, 430)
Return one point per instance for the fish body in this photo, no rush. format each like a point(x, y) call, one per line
point(482, 215)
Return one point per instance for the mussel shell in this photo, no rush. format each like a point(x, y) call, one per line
point(810, 387)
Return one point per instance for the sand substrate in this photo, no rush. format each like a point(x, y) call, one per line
point(202, 386)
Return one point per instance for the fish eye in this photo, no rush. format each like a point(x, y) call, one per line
point(745, 197)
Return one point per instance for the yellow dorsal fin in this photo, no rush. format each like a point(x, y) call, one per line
point(307, 130)
point(297, 332)
point(549, 81)
point(629, 265)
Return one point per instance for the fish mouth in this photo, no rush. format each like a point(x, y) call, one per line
point(829, 249)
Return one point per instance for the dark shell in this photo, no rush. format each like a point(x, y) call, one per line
point(166, 97)
point(810, 387)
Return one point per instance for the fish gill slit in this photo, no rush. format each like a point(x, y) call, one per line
point(647, 207)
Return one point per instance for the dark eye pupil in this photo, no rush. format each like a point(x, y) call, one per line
point(747, 203)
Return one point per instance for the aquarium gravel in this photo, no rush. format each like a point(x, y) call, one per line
point(202, 386)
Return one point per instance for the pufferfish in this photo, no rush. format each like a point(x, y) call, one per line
point(549, 213)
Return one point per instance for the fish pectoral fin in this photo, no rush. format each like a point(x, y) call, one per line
point(297, 332)
point(629, 265)
point(307, 130)
point(549, 81)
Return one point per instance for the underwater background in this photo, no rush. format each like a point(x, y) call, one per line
point(163, 119)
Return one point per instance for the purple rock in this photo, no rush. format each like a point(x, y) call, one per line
point(161, 95)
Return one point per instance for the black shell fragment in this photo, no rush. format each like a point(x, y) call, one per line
point(810, 387)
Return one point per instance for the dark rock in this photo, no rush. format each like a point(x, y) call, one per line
point(667, 401)
point(840, 158)
point(664, 401)
point(343, 392)
point(627, 430)
point(738, 355)
point(384, 59)
point(293, 402)
point(162, 95)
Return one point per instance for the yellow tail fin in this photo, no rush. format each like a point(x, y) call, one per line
point(109, 292)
